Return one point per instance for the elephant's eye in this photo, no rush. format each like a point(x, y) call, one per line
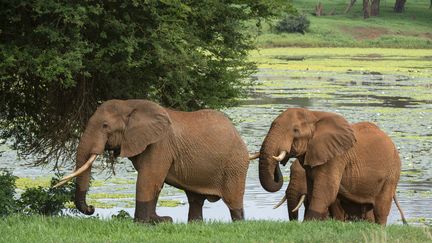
point(105, 125)
point(296, 131)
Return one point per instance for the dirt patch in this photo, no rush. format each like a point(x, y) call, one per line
point(365, 33)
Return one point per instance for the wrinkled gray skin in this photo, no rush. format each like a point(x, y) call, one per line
point(200, 152)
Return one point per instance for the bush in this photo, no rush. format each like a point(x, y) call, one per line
point(39, 200)
point(293, 23)
point(47, 201)
point(7, 193)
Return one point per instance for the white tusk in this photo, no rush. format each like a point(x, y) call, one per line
point(254, 156)
point(77, 172)
point(281, 156)
point(302, 198)
point(281, 202)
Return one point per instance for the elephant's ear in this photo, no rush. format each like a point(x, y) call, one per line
point(146, 124)
point(333, 136)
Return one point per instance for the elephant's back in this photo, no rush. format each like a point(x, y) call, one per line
point(210, 149)
point(205, 123)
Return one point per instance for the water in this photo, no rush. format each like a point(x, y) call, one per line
point(398, 104)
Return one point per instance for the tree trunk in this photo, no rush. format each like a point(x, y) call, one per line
point(366, 9)
point(319, 9)
point(350, 5)
point(399, 6)
point(375, 4)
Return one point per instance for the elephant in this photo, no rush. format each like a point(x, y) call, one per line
point(340, 209)
point(357, 162)
point(199, 152)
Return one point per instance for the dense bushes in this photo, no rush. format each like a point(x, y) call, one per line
point(39, 200)
point(7, 192)
point(293, 23)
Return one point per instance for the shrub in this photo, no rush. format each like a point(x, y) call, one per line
point(293, 23)
point(39, 200)
point(122, 215)
point(7, 193)
point(47, 201)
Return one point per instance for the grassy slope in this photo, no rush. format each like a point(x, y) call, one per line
point(411, 29)
point(39, 229)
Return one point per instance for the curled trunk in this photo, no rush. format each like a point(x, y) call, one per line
point(270, 175)
point(89, 144)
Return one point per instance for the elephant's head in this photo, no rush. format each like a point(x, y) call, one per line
point(314, 136)
point(126, 127)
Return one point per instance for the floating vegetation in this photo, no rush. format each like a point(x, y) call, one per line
point(24, 182)
point(169, 203)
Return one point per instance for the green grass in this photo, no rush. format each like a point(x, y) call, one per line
point(411, 29)
point(41, 229)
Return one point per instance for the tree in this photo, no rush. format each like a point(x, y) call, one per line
point(399, 6)
point(59, 59)
point(375, 7)
point(370, 8)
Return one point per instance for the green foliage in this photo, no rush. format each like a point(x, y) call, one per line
point(293, 23)
point(34, 200)
point(46, 201)
point(122, 215)
point(7, 193)
point(58, 60)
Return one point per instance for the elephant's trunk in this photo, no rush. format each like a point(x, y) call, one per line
point(87, 147)
point(293, 199)
point(270, 175)
point(274, 149)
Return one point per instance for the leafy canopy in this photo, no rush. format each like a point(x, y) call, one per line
point(59, 59)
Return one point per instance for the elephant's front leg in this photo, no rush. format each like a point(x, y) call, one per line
point(323, 190)
point(151, 177)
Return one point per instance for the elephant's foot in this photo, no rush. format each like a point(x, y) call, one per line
point(237, 214)
point(145, 212)
point(314, 215)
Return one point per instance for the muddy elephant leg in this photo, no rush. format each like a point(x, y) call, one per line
point(233, 196)
point(325, 187)
point(196, 202)
point(383, 203)
point(150, 181)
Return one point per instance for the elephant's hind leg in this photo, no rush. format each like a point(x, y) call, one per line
point(383, 203)
point(233, 197)
point(196, 202)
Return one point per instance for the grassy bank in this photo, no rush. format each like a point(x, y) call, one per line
point(411, 29)
point(39, 229)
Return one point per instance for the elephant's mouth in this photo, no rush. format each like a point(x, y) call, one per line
point(113, 150)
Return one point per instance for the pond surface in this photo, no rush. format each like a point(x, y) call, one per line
point(360, 85)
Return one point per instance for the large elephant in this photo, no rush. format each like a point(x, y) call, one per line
point(357, 162)
point(200, 152)
point(340, 209)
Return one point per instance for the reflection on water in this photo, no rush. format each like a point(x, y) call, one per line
point(400, 105)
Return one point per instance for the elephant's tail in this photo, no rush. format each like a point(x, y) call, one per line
point(400, 210)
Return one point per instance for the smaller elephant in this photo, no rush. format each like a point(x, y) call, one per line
point(341, 209)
